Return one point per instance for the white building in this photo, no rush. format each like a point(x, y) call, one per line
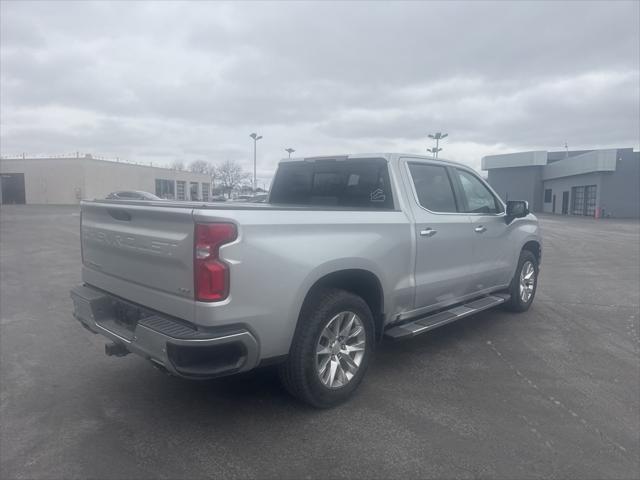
point(67, 180)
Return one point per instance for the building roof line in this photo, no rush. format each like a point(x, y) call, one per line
point(90, 157)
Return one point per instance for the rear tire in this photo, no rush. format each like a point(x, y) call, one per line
point(331, 348)
point(524, 283)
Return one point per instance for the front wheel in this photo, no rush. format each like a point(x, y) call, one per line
point(331, 349)
point(524, 283)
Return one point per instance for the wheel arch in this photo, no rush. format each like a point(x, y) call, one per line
point(360, 282)
point(535, 248)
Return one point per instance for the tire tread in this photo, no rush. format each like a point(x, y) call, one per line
point(514, 304)
point(292, 372)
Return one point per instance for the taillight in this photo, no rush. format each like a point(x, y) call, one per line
point(211, 275)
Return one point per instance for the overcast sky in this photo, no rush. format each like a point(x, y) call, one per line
point(164, 81)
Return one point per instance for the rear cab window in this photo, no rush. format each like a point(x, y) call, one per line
point(359, 184)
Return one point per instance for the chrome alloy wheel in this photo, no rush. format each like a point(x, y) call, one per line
point(340, 349)
point(527, 281)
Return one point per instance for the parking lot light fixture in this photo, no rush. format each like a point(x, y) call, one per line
point(437, 137)
point(434, 151)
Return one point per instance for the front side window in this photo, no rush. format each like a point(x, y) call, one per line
point(479, 197)
point(433, 187)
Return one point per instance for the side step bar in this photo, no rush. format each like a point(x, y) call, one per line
point(435, 320)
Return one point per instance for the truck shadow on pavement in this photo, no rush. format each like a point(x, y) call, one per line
point(261, 388)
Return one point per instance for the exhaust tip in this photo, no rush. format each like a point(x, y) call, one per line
point(114, 349)
point(157, 364)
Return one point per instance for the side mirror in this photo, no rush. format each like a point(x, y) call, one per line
point(517, 209)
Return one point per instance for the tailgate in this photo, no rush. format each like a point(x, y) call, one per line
point(148, 246)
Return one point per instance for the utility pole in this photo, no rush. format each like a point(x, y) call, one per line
point(289, 151)
point(255, 137)
point(566, 147)
point(437, 137)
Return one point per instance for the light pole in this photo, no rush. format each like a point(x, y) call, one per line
point(255, 137)
point(434, 151)
point(289, 151)
point(437, 137)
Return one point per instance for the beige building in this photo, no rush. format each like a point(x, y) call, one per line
point(67, 180)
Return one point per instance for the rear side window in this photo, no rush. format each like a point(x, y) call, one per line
point(433, 187)
point(349, 183)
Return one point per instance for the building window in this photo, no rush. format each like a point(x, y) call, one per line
point(547, 195)
point(165, 188)
point(181, 186)
point(205, 192)
point(193, 191)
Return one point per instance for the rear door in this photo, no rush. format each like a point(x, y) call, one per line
point(492, 254)
point(444, 236)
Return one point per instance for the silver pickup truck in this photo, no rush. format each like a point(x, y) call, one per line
point(348, 250)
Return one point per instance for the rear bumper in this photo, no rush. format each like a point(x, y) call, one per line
point(169, 343)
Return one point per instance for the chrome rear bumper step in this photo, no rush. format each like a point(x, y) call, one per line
point(435, 320)
point(172, 344)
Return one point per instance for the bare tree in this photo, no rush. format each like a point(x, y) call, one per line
point(200, 166)
point(230, 175)
point(177, 165)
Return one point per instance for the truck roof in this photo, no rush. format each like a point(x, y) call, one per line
point(364, 156)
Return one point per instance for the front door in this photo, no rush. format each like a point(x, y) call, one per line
point(444, 237)
point(553, 205)
point(565, 203)
point(492, 260)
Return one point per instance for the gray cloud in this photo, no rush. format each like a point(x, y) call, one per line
point(160, 81)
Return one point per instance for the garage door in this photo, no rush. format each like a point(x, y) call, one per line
point(590, 200)
point(12, 188)
point(584, 200)
point(577, 194)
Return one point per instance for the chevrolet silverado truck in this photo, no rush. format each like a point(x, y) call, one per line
point(347, 251)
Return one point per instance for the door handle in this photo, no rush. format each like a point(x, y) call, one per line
point(428, 232)
point(480, 229)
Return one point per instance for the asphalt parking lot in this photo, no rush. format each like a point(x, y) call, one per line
point(554, 392)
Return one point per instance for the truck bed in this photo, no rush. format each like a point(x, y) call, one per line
point(224, 205)
point(144, 252)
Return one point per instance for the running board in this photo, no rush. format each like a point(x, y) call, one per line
point(435, 320)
